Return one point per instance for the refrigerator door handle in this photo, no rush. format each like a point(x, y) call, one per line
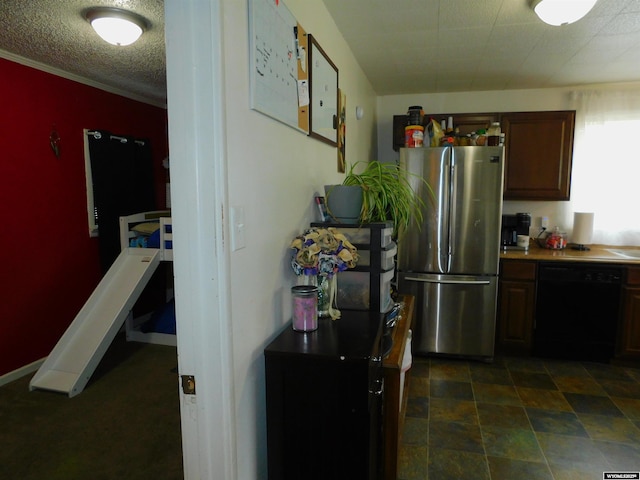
point(444, 215)
point(458, 280)
point(453, 208)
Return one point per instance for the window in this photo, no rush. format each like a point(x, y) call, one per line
point(119, 179)
point(605, 162)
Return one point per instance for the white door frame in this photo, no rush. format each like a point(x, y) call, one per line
point(195, 86)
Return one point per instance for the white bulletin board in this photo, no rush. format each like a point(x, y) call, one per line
point(323, 79)
point(278, 69)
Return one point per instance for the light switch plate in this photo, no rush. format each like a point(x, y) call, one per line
point(237, 228)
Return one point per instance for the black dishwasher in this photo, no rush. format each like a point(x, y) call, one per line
point(577, 310)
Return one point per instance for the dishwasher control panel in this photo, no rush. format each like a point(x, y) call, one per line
point(581, 273)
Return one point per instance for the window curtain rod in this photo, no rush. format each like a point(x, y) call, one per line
point(97, 135)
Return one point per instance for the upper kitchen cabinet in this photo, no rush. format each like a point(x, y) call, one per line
point(538, 149)
point(467, 123)
point(464, 122)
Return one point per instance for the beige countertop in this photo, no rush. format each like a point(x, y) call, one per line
point(597, 253)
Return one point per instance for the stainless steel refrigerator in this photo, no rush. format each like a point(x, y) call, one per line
point(450, 263)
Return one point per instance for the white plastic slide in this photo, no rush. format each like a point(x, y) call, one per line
point(73, 360)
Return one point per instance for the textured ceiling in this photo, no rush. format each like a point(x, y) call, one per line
point(54, 33)
point(422, 46)
point(403, 46)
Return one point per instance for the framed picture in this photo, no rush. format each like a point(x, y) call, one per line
point(323, 85)
point(342, 130)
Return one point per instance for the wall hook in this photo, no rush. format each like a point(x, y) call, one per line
point(54, 141)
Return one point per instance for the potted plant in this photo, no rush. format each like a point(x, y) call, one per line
point(386, 194)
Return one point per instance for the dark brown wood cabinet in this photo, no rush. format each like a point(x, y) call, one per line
point(539, 150)
point(466, 123)
point(629, 335)
point(516, 307)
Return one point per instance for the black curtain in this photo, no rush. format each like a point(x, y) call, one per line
point(122, 175)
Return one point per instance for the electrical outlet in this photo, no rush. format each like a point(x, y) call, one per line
point(544, 222)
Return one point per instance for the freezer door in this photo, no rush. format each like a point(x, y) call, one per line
point(455, 314)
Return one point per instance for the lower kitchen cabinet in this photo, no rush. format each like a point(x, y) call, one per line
point(629, 338)
point(516, 307)
point(515, 321)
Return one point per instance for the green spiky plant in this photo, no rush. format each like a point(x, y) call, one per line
point(387, 194)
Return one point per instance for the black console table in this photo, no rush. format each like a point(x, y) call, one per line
point(324, 400)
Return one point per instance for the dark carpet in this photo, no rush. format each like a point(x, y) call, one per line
point(124, 425)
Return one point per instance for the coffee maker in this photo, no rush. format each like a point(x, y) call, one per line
point(512, 226)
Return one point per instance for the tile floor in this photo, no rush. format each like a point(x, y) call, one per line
point(519, 419)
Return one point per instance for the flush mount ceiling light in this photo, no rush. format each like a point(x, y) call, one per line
point(116, 26)
point(562, 12)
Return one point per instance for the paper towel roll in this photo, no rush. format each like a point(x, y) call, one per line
point(582, 227)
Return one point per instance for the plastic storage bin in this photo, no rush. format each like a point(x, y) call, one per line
point(368, 236)
point(381, 260)
point(369, 290)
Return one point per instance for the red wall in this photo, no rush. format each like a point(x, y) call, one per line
point(49, 264)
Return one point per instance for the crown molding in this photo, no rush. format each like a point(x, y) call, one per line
point(80, 79)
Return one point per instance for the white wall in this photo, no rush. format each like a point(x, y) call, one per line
point(559, 213)
point(273, 172)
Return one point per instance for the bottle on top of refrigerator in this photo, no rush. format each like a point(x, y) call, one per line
point(449, 129)
point(415, 114)
point(493, 134)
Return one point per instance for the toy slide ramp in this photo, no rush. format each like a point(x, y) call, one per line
point(73, 360)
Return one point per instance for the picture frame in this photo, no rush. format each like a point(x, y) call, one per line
point(323, 86)
point(342, 130)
